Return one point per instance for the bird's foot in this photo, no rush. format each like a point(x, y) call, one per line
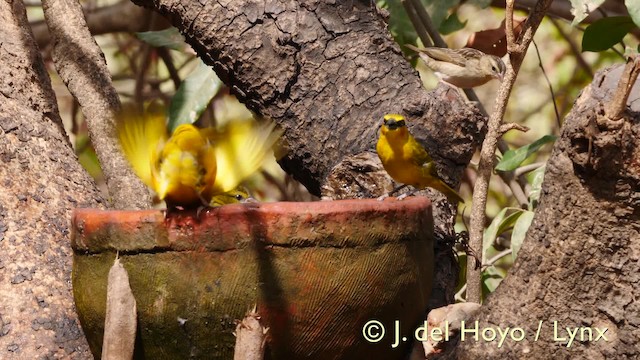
point(405, 195)
point(381, 198)
point(200, 209)
point(396, 189)
point(171, 210)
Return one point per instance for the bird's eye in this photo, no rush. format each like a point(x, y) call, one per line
point(239, 197)
point(493, 68)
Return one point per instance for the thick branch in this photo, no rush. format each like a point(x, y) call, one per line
point(120, 17)
point(82, 67)
point(42, 182)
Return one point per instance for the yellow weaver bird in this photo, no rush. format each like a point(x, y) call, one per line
point(193, 166)
point(238, 195)
point(406, 161)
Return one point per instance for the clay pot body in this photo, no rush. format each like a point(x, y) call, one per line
point(316, 271)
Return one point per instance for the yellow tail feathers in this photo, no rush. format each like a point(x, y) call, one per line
point(451, 194)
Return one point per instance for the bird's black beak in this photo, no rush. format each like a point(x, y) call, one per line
point(391, 124)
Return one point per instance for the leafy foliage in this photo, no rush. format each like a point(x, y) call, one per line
point(401, 27)
point(512, 159)
point(169, 38)
point(198, 88)
point(606, 32)
point(193, 96)
point(582, 9)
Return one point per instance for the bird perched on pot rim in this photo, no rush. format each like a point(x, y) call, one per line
point(192, 166)
point(406, 161)
point(239, 195)
point(464, 68)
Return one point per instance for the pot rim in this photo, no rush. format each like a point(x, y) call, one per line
point(234, 225)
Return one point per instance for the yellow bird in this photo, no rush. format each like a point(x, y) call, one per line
point(406, 161)
point(190, 167)
point(238, 195)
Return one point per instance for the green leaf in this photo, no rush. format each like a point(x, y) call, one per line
point(513, 158)
point(451, 24)
point(439, 9)
point(498, 225)
point(536, 177)
point(491, 232)
point(606, 32)
point(193, 96)
point(520, 231)
point(508, 221)
point(633, 7)
point(169, 38)
point(582, 9)
point(401, 27)
point(491, 278)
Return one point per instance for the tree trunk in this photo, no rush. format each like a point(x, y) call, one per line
point(579, 266)
point(41, 182)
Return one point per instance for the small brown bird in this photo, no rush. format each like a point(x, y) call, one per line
point(464, 68)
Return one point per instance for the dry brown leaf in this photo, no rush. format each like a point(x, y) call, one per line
point(494, 41)
point(120, 320)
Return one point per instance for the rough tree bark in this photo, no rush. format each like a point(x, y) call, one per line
point(327, 72)
point(82, 66)
point(41, 182)
point(580, 264)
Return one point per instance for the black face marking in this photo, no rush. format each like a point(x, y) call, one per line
point(394, 125)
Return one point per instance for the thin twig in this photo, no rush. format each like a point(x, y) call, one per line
point(516, 190)
point(417, 24)
point(528, 168)
point(493, 260)
point(424, 17)
point(171, 68)
point(516, 51)
point(574, 48)
point(553, 96)
point(458, 296)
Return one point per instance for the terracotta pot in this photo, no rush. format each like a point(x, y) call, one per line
point(317, 272)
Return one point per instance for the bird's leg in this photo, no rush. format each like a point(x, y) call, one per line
point(403, 196)
point(203, 206)
point(172, 209)
point(390, 193)
point(397, 188)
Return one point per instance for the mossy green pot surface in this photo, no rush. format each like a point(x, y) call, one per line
point(318, 272)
